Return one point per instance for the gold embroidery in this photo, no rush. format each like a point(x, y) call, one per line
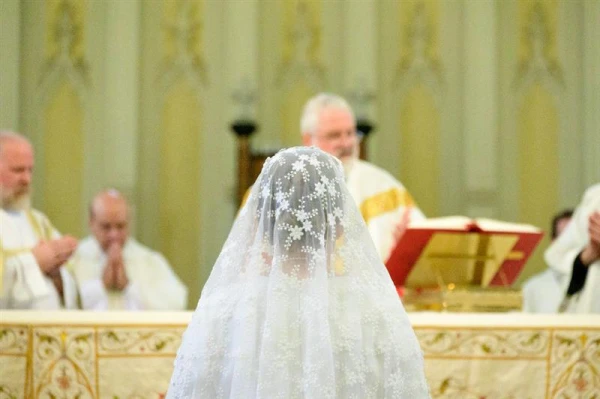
point(385, 202)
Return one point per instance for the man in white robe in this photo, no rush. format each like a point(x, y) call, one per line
point(542, 293)
point(576, 256)
point(32, 252)
point(115, 272)
point(328, 122)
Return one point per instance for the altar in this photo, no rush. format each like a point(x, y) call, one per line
point(124, 355)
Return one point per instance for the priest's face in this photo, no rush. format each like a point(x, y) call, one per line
point(16, 169)
point(109, 221)
point(335, 134)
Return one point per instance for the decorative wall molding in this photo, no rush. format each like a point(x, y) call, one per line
point(303, 38)
point(65, 65)
point(591, 92)
point(538, 68)
point(419, 67)
point(187, 62)
point(10, 68)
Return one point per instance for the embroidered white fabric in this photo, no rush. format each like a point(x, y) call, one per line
point(298, 304)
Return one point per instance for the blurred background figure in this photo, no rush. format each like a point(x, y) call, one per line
point(387, 207)
point(32, 252)
point(576, 256)
point(114, 271)
point(542, 292)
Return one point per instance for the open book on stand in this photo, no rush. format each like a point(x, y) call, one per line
point(456, 248)
point(461, 252)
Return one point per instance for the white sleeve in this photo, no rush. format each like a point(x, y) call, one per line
point(93, 295)
point(87, 271)
point(561, 254)
point(161, 289)
point(70, 290)
point(23, 282)
point(133, 296)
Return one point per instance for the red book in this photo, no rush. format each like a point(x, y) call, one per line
point(464, 251)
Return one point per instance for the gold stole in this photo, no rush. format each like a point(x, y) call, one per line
point(385, 202)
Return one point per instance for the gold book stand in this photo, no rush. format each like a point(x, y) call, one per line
point(455, 270)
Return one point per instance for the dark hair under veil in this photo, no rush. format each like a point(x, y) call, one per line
point(298, 304)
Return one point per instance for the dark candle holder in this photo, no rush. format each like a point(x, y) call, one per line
point(244, 127)
point(364, 127)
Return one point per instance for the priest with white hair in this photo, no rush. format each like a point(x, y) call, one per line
point(32, 252)
point(328, 123)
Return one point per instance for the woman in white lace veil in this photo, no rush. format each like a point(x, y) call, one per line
point(298, 304)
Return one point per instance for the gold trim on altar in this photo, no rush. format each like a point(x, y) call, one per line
point(530, 356)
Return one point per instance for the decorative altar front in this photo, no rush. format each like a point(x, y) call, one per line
point(130, 355)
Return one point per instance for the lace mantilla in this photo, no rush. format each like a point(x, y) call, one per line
point(298, 304)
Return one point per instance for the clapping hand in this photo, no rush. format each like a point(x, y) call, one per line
point(591, 252)
point(52, 254)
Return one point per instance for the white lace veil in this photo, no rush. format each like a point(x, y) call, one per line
point(298, 304)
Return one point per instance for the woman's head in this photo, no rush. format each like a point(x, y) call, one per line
point(301, 202)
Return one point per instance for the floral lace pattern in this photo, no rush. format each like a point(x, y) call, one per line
point(298, 304)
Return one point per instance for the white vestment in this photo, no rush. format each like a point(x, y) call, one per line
point(382, 201)
point(543, 293)
point(152, 283)
point(24, 285)
point(563, 251)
